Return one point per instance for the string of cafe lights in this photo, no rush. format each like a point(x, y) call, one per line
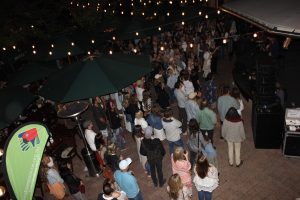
point(159, 28)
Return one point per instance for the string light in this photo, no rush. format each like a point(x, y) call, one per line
point(69, 53)
point(134, 50)
point(206, 16)
point(72, 44)
point(255, 35)
point(93, 41)
point(4, 49)
point(219, 12)
point(33, 46)
point(105, 10)
point(114, 38)
point(168, 14)
point(89, 53)
point(50, 53)
point(32, 26)
point(14, 47)
point(110, 52)
point(224, 41)
point(122, 12)
point(34, 52)
point(131, 13)
point(171, 2)
point(159, 28)
point(143, 13)
point(52, 45)
point(137, 33)
point(200, 13)
point(162, 48)
point(182, 13)
point(191, 45)
point(182, 22)
point(154, 14)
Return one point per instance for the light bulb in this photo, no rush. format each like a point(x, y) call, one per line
point(34, 52)
point(154, 14)
point(170, 2)
point(2, 191)
point(182, 22)
point(110, 52)
point(93, 41)
point(52, 45)
point(191, 45)
point(4, 49)
point(219, 12)
point(50, 53)
point(33, 46)
point(143, 13)
point(162, 48)
point(137, 33)
point(134, 50)
point(131, 13)
point(182, 13)
point(89, 53)
point(224, 41)
point(32, 26)
point(14, 47)
point(114, 38)
point(200, 13)
point(206, 16)
point(72, 44)
point(122, 12)
point(255, 35)
point(168, 14)
point(69, 53)
point(159, 28)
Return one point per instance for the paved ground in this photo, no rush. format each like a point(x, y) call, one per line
point(265, 174)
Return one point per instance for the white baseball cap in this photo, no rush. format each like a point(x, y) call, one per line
point(123, 164)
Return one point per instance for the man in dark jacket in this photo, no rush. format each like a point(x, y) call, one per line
point(154, 150)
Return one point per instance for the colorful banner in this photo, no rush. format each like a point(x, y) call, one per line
point(22, 156)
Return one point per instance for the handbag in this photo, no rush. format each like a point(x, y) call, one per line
point(82, 188)
point(57, 190)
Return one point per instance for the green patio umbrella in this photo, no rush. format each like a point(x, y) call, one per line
point(32, 72)
point(13, 101)
point(102, 75)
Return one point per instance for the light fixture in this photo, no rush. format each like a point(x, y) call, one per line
point(219, 12)
point(168, 14)
point(191, 45)
point(52, 45)
point(2, 191)
point(159, 28)
point(206, 16)
point(170, 2)
point(14, 47)
point(134, 50)
point(89, 53)
point(32, 26)
point(50, 53)
point(182, 22)
point(110, 52)
point(162, 48)
point(69, 53)
point(33, 46)
point(131, 13)
point(182, 13)
point(72, 44)
point(122, 12)
point(93, 41)
point(114, 38)
point(143, 13)
point(200, 13)
point(34, 51)
point(254, 35)
point(1, 152)
point(4, 49)
point(287, 42)
point(224, 41)
point(154, 14)
point(137, 33)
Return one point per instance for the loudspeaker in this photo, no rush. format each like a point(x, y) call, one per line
point(291, 144)
point(267, 126)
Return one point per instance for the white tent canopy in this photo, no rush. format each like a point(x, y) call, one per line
point(278, 16)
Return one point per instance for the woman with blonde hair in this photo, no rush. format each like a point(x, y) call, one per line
point(175, 188)
point(206, 178)
point(182, 166)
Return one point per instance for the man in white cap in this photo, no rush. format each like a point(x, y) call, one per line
point(126, 180)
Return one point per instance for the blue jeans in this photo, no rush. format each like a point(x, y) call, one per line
point(148, 169)
point(204, 195)
point(177, 143)
point(139, 196)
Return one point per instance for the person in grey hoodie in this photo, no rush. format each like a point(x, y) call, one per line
point(172, 128)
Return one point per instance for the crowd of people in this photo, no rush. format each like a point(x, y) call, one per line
point(185, 62)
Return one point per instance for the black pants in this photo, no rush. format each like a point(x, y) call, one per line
point(156, 166)
point(183, 118)
point(210, 134)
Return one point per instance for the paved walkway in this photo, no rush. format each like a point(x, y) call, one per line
point(265, 174)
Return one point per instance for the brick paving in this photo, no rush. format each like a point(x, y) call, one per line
point(265, 174)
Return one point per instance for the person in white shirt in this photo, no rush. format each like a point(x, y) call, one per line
point(189, 87)
point(90, 135)
point(181, 100)
point(139, 91)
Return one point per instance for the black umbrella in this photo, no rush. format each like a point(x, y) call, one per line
point(13, 102)
point(102, 75)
